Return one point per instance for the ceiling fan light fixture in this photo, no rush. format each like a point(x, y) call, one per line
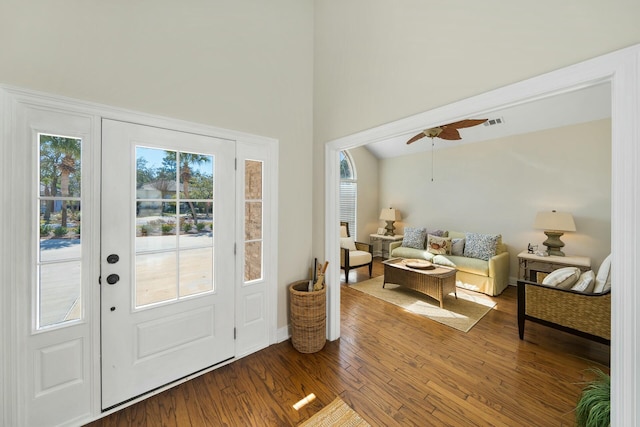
point(433, 132)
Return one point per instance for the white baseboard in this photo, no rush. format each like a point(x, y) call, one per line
point(283, 334)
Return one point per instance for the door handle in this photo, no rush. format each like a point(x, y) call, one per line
point(112, 279)
point(113, 258)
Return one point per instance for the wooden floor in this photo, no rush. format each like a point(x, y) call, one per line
point(393, 368)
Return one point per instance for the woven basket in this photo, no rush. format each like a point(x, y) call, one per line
point(308, 317)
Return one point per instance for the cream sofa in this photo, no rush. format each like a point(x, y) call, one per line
point(489, 277)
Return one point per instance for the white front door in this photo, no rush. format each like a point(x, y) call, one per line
point(167, 257)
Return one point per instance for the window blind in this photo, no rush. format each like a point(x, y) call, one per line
point(348, 197)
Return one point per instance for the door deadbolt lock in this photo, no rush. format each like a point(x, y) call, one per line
point(112, 279)
point(113, 258)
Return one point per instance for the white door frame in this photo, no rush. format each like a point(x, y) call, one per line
point(622, 69)
point(12, 391)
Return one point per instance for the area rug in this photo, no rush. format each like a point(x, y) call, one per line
point(336, 413)
point(461, 313)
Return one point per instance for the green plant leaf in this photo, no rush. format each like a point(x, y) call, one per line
point(594, 406)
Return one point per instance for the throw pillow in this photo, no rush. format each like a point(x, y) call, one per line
point(603, 278)
point(414, 237)
point(441, 260)
point(439, 233)
point(563, 278)
point(348, 243)
point(457, 247)
point(438, 245)
point(481, 246)
point(585, 283)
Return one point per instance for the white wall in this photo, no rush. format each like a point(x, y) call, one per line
point(242, 65)
point(498, 186)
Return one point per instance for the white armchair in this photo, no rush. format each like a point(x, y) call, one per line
point(353, 254)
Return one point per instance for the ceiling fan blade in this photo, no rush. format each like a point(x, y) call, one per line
point(417, 137)
point(449, 133)
point(465, 123)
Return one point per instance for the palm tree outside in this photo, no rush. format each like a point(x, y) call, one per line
point(67, 153)
point(187, 160)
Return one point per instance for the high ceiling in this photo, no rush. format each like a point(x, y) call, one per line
point(579, 106)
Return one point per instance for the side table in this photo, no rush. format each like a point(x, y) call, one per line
point(383, 250)
point(532, 264)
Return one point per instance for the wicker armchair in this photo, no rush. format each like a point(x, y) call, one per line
point(350, 258)
point(582, 314)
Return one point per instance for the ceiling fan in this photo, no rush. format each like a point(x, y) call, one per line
point(449, 131)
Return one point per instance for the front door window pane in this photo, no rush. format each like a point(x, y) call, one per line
point(196, 276)
point(196, 176)
point(59, 292)
point(58, 286)
point(156, 275)
point(174, 225)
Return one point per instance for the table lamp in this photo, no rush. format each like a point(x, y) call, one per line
point(554, 225)
point(390, 215)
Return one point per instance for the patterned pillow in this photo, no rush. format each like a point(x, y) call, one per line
point(438, 245)
point(481, 246)
point(457, 247)
point(414, 237)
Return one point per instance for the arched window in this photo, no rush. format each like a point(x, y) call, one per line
point(348, 191)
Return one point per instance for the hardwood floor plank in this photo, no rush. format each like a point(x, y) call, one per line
point(187, 408)
point(369, 408)
point(393, 368)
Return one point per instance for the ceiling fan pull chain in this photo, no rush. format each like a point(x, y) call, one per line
point(432, 150)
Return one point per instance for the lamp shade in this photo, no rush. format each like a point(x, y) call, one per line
point(555, 221)
point(390, 214)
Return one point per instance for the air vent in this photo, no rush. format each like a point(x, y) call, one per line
point(493, 122)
